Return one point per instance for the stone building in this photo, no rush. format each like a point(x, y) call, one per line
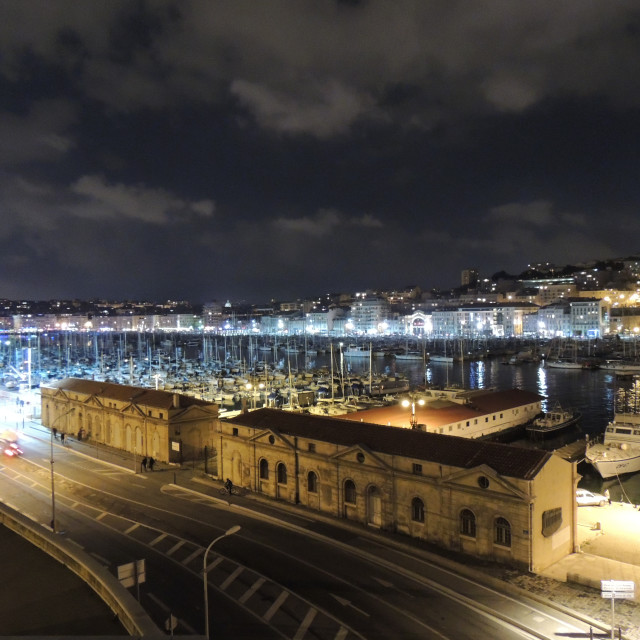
point(168, 426)
point(504, 503)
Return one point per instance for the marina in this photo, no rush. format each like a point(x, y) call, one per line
point(256, 371)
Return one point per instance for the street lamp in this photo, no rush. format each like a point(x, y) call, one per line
point(412, 402)
point(53, 492)
point(228, 532)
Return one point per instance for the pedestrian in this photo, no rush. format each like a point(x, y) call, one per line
point(151, 463)
point(607, 495)
point(55, 433)
point(62, 437)
point(143, 465)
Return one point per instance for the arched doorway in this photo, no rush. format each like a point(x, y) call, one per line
point(374, 506)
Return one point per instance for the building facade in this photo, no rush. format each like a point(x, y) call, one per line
point(170, 427)
point(507, 504)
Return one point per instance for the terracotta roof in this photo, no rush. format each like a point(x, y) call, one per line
point(463, 453)
point(439, 413)
point(124, 393)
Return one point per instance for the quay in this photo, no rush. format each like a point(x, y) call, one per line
point(573, 452)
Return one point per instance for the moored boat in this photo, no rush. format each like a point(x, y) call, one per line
point(619, 453)
point(552, 422)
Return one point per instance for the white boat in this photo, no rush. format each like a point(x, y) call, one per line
point(353, 351)
point(621, 366)
point(409, 355)
point(619, 453)
point(553, 421)
point(563, 364)
point(440, 358)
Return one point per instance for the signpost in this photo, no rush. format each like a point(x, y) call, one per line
point(617, 589)
point(132, 574)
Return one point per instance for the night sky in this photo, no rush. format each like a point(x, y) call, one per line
point(259, 149)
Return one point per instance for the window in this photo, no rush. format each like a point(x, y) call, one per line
point(312, 482)
point(502, 532)
point(264, 469)
point(234, 431)
point(360, 457)
point(467, 523)
point(312, 447)
point(350, 492)
point(417, 510)
point(551, 521)
point(417, 468)
point(161, 415)
point(282, 473)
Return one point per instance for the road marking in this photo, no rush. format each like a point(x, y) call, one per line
point(308, 619)
point(175, 547)
point(347, 603)
point(342, 633)
point(102, 515)
point(195, 554)
point(275, 606)
point(215, 563)
point(251, 590)
point(131, 529)
point(155, 541)
point(238, 570)
point(100, 559)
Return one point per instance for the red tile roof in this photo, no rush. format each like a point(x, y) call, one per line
point(124, 393)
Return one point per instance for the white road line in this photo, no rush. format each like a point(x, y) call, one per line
point(195, 554)
point(155, 541)
point(175, 547)
point(342, 633)
point(275, 606)
point(308, 619)
point(102, 515)
point(215, 563)
point(131, 529)
point(231, 578)
point(100, 559)
point(251, 590)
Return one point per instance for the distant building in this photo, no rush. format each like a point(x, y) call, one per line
point(469, 278)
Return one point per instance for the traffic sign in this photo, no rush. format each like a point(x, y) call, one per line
point(619, 586)
point(618, 595)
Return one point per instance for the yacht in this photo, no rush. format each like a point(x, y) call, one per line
point(619, 453)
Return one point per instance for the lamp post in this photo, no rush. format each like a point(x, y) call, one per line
point(228, 532)
point(53, 491)
point(412, 402)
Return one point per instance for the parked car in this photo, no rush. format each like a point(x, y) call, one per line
point(586, 498)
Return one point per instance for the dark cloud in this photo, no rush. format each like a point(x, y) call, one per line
point(207, 149)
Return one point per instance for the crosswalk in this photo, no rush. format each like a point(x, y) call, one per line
point(289, 615)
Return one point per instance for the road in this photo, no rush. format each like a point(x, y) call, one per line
point(285, 574)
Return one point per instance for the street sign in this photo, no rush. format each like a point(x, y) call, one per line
point(622, 595)
point(132, 573)
point(619, 586)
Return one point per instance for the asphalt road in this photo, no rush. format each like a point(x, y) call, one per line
point(285, 574)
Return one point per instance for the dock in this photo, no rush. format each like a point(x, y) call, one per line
point(573, 452)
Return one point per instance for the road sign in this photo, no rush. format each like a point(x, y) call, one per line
point(132, 573)
point(622, 595)
point(619, 586)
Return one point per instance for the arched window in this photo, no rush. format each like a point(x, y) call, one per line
point(312, 482)
point(264, 469)
point(282, 473)
point(502, 531)
point(417, 510)
point(467, 523)
point(350, 491)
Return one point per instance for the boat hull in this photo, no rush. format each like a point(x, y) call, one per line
point(616, 463)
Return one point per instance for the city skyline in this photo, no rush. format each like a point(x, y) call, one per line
point(207, 150)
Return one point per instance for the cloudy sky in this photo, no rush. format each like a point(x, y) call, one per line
point(250, 150)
